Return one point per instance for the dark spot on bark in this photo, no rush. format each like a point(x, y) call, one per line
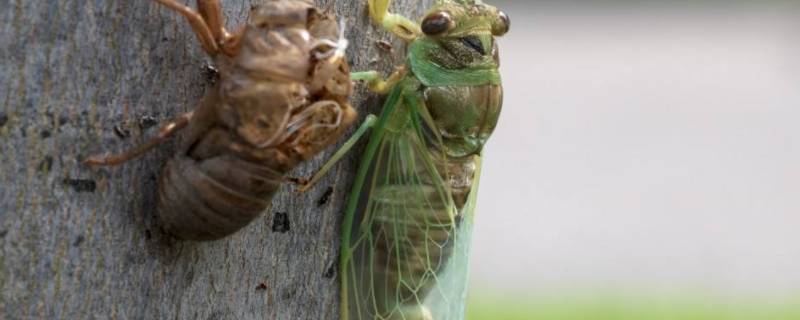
point(46, 164)
point(211, 73)
point(216, 315)
point(261, 286)
point(81, 185)
point(3, 233)
point(78, 241)
point(130, 258)
point(330, 271)
point(121, 132)
point(325, 197)
point(148, 234)
point(280, 222)
point(189, 276)
point(62, 120)
point(146, 122)
point(45, 134)
point(3, 119)
point(289, 294)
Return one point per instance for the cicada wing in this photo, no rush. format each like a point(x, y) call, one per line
point(454, 279)
point(406, 231)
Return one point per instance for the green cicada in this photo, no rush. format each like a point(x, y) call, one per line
point(406, 231)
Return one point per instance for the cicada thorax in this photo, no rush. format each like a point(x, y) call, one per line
point(464, 117)
point(281, 99)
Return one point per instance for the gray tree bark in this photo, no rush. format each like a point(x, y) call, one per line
point(83, 77)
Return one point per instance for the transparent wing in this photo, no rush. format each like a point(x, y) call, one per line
point(454, 279)
point(405, 256)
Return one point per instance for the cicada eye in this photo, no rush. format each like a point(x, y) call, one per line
point(437, 23)
point(501, 25)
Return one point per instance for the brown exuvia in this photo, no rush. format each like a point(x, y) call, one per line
point(281, 99)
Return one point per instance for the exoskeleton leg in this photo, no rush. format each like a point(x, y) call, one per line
point(401, 26)
point(374, 81)
point(208, 24)
point(165, 133)
point(211, 11)
point(198, 23)
point(369, 122)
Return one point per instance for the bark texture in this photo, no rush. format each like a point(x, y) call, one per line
point(82, 77)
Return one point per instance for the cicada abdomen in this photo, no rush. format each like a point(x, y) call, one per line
point(416, 232)
point(412, 230)
point(281, 99)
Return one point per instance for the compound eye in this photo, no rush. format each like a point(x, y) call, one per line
point(501, 25)
point(437, 23)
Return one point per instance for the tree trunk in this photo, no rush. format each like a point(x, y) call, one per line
point(84, 77)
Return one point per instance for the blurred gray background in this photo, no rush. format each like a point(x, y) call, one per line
point(645, 147)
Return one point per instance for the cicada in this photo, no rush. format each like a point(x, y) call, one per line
point(406, 230)
point(281, 99)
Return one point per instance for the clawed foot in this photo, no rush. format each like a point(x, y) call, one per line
point(302, 184)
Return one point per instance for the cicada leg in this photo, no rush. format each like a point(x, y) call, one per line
point(374, 81)
point(198, 23)
point(166, 132)
point(399, 25)
point(211, 11)
point(369, 122)
point(212, 14)
point(208, 24)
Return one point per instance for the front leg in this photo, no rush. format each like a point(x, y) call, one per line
point(208, 23)
point(211, 11)
point(198, 23)
point(378, 85)
point(399, 25)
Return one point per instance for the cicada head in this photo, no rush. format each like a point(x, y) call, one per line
point(464, 32)
point(275, 42)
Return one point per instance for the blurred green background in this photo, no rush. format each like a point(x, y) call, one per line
point(646, 165)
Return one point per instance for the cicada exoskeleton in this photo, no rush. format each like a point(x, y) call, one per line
point(281, 99)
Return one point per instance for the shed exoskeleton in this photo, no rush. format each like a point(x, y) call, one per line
point(281, 99)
